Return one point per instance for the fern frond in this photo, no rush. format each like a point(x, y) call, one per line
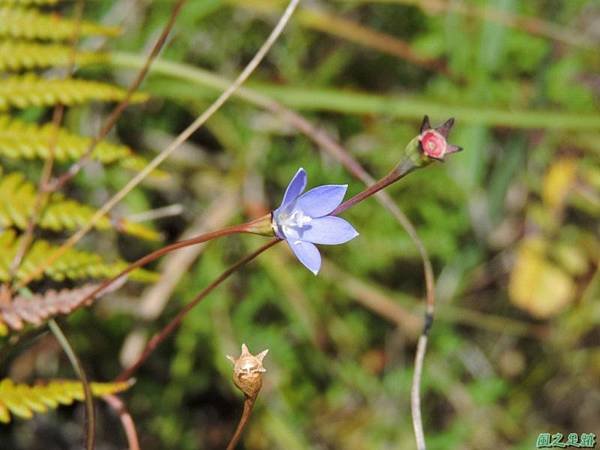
point(30, 90)
point(18, 55)
point(38, 308)
point(17, 202)
point(28, 2)
point(73, 265)
point(31, 24)
point(22, 140)
point(23, 400)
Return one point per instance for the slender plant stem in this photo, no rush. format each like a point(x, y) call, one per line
point(157, 213)
point(246, 413)
point(244, 75)
point(126, 420)
point(415, 397)
point(399, 172)
point(110, 122)
point(90, 417)
point(204, 237)
point(176, 321)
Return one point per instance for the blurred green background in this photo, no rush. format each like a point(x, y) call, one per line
point(512, 226)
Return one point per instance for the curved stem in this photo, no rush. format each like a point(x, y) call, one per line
point(235, 229)
point(248, 407)
point(415, 398)
point(126, 420)
point(176, 321)
point(90, 418)
point(402, 170)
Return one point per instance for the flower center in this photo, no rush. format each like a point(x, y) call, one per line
point(289, 224)
point(433, 143)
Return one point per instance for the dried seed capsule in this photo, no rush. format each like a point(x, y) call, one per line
point(248, 370)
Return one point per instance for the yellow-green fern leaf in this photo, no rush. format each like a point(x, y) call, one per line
point(73, 265)
point(23, 401)
point(17, 202)
point(22, 140)
point(19, 55)
point(19, 23)
point(30, 90)
point(28, 2)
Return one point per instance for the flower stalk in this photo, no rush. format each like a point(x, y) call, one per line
point(257, 226)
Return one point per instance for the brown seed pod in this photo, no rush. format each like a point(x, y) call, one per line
point(248, 371)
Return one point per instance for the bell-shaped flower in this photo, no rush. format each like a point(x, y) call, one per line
point(304, 219)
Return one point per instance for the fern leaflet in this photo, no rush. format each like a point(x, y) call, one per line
point(73, 265)
point(19, 55)
point(22, 140)
point(23, 400)
point(19, 23)
point(30, 90)
point(17, 202)
point(28, 2)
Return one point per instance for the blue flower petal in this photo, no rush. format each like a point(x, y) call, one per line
point(329, 230)
point(322, 200)
point(308, 254)
point(295, 188)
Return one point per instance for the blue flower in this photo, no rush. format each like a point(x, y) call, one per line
point(303, 220)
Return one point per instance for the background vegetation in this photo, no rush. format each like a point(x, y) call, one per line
point(511, 223)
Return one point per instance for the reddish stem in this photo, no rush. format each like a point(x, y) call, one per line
point(126, 420)
point(400, 171)
point(235, 229)
point(158, 338)
point(248, 406)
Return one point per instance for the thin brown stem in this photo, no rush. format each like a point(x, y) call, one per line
point(246, 413)
point(176, 321)
point(110, 122)
point(126, 420)
point(204, 237)
point(402, 170)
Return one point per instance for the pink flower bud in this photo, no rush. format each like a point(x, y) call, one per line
point(433, 144)
point(433, 141)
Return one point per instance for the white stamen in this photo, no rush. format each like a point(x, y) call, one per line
point(288, 223)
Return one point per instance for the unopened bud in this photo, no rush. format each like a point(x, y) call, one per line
point(431, 144)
